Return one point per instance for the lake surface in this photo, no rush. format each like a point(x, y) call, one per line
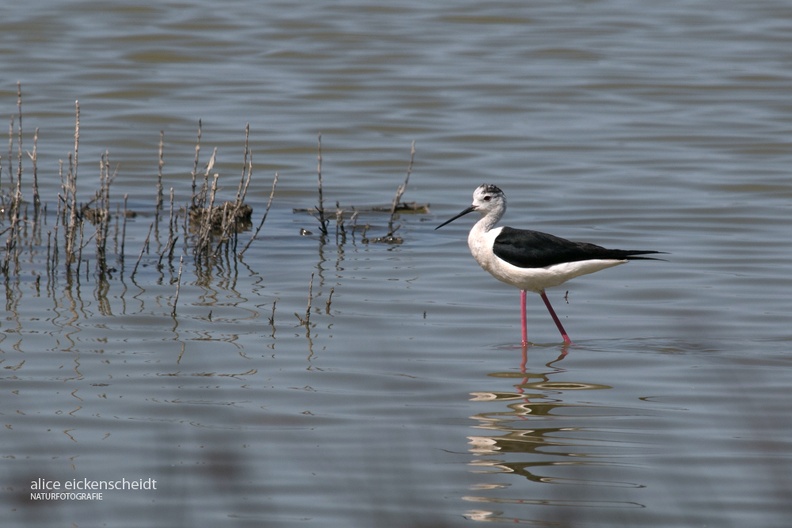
point(402, 398)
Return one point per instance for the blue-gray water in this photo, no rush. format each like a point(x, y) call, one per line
point(406, 401)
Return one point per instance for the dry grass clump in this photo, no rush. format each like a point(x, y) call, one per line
point(224, 217)
point(88, 239)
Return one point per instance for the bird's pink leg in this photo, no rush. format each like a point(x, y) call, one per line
point(523, 318)
point(555, 318)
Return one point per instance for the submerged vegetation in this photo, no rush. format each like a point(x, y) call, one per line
point(87, 240)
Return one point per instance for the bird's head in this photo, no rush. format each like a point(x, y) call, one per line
point(486, 199)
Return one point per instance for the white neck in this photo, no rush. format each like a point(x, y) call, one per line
point(488, 221)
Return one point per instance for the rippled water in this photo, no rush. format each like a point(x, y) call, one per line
point(404, 400)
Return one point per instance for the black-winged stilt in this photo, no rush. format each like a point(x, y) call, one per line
point(530, 260)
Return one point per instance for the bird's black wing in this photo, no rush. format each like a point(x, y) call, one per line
point(533, 249)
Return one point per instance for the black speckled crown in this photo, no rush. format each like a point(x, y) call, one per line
point(489, 188)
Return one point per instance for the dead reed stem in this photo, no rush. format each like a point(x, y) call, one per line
point(160, 164)
point(10, 147)
point(53, 262)
point(272, 318)
point(329, 301)
point(247, 168)
point(178, 286)
point(13, 210)
point(400, 192)
point(168, 249)
point(142, 250)
point(264, 217)
point(12, 246)
point(205, 187)
point(49, 256)
point(310, 301)
point(230, 221)
point(10, 150)
point(306, 322)
point(340, 229)
point(123, 228)
point(195, 163)
point(70, 192)
point(101, 214)
point(17, 199)
point(34, 160)
point(172, 237)
point(80, 246)
point(205, 233)
point(320, 208)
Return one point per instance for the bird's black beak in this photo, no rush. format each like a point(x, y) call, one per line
point(463, 213)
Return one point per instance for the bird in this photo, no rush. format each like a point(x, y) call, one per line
point(531, 260)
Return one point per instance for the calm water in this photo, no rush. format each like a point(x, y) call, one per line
point(404, 401)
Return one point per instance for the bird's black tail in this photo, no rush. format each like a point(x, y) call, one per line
point(639, 255)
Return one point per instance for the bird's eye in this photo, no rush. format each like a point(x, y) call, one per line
point(487, 198)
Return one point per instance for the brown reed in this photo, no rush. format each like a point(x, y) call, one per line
point(160, 164)
point(178, 287)
point(400, 192)
point(142, 251)
point(238, 212)
point(34, 160)
point(264, 216)
point(69, 187)
point(320, 208)
point(211, 226)
point(306, 321)
point(195, 163)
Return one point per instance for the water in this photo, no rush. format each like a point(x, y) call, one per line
point(404, 401)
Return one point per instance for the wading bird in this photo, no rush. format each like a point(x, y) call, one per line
point(530, 260)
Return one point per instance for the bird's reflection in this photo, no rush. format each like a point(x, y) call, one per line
point(524, 362)
point(539, 429)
